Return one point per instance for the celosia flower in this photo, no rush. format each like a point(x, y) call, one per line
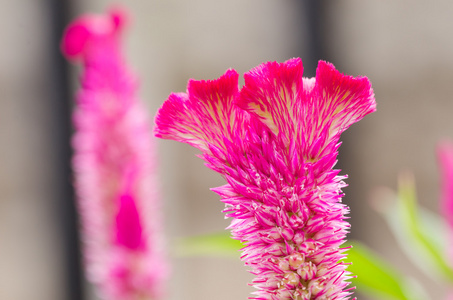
point(275, 142)
point(114, 170)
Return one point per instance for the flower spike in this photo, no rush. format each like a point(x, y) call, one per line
point(115, 176)
point(276, 142)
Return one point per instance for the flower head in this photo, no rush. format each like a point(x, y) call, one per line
point(114, 170)
point(275, 142)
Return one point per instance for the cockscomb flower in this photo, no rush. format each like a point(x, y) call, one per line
point(275, 142)
point(113, 164)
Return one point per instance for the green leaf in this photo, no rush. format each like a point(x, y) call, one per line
point(420, 234)
point(216, 244)
point(435, 226)
point(375, 277)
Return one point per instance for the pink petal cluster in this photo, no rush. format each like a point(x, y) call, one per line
point(276, 142)
point(113, 164)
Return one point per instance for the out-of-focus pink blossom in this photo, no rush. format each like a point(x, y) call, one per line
point(275, 142)
point(114, 168)
point(445, 158)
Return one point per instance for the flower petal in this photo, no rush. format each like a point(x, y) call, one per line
point(342, 98)
point(271, 91)
point(312, 111)
point(205, 115)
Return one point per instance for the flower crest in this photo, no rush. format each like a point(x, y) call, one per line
point(275, 141)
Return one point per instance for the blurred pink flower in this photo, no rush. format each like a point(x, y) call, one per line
point(114, 168)
point(275, 142)
point(445, 158)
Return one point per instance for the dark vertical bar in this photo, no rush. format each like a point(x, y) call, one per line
point(61, 113)
point(318, 48)
point(313, 13)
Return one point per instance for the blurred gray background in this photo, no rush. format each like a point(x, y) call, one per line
point(403, 47)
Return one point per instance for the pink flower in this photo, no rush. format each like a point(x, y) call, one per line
point(275, 142)
point(113, 164)
point(445, 159)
